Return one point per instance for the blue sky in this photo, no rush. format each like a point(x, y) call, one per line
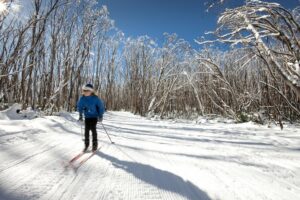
point(187, 18)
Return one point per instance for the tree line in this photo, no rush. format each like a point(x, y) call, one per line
point(59, 45)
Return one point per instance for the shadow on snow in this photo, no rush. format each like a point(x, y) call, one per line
point(159, 178)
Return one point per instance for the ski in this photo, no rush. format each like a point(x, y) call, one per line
point(76, 157)
point(86, 159)
point(70, 163)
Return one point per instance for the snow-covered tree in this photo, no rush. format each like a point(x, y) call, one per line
point(269, 28)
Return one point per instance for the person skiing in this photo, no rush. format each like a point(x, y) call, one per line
point(91, 106)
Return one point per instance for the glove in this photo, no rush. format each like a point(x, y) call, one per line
point(80, 118)
point(100, 119)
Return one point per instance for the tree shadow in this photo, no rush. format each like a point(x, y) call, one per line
point(63, 127)
point(131, 135)
point(32, 132)
point(221, 158)
point(186, 138)
point(159, 178)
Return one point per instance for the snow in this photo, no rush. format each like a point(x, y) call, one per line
point(11, 113)
point(150, 160)
point(262, 9)
point(3, 6)
point(297, 67)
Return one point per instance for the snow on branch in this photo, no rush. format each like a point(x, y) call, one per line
point(269, 28)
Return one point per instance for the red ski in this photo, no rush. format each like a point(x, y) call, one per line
point(76, 157)
point(70, 163)
point(86, 159)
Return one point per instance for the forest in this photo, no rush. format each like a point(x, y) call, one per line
point(248, 71)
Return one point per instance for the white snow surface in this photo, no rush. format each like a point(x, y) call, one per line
point(150, 159)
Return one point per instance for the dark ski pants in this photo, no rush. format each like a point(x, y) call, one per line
point(90, 125)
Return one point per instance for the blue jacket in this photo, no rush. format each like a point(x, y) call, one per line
point(90, 106)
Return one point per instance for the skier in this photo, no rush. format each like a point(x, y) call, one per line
point(92, 107)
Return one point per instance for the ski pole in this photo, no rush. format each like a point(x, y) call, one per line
point(107, 133)
point(82, 137)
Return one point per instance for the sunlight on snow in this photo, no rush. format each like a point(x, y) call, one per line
point(3, 7)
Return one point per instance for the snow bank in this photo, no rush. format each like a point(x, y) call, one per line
point(15, 113)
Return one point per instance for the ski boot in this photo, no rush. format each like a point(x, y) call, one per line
point(85, 149)
point(95, 147)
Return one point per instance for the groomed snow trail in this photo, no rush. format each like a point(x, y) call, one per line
point(150, 160)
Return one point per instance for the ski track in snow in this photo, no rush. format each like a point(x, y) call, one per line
point(151, 160)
